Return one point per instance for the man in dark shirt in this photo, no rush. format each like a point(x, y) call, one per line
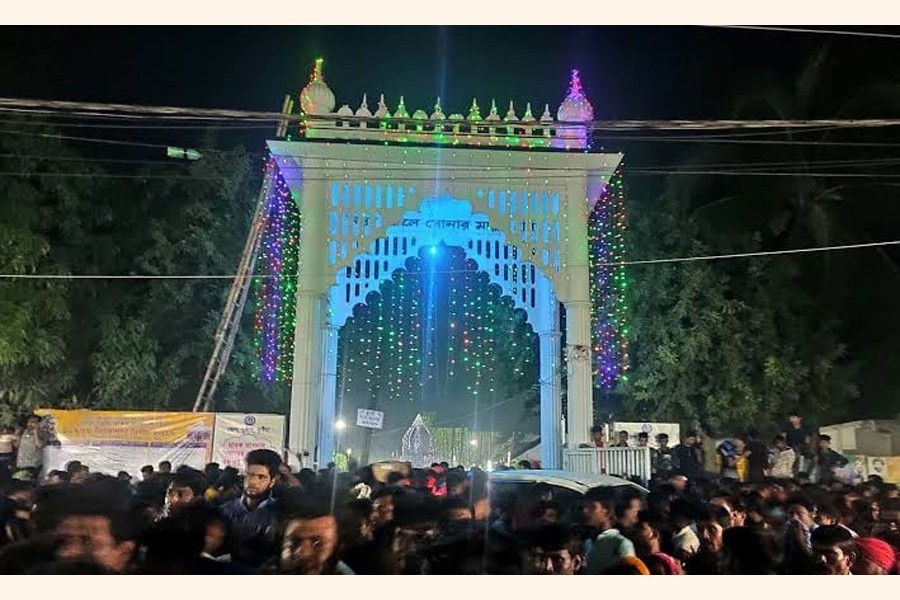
point(799, 438)
point(252, 515)
point(829, 460)
point(685, 455)
point(757, 458)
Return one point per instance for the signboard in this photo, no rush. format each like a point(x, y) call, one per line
point(236, 434)
point(373, 419)
point(113, 441)
point(651, 429)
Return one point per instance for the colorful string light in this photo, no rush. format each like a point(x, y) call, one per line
point(275, 295)
point(606, 234)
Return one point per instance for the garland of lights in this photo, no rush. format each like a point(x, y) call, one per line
point(609, 331)
point(391, 349)
point(275, 291)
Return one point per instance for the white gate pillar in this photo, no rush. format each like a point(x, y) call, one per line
point(579, 391)
point(306, 387)
point(547, 327)
point(327, 415)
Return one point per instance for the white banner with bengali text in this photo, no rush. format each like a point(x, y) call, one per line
point(236, 434)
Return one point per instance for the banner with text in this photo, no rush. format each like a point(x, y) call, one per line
point(113, 441)
point(372, 419)
point(236, 434)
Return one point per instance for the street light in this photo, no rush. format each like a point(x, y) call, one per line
point(340, 425)
point(473, 442)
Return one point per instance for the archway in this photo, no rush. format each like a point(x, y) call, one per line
point(352, 177)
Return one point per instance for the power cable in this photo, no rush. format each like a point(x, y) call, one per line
point(869, 34)
point(708, 257)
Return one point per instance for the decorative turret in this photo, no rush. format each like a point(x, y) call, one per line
point(545, 117)
point(528, 118)
point(363, 110)
point(575, 108)
point(420, 115)
point(511, 113)
point(474, 113)
point(438, 114)
point(345, 111)
point(493, 116)
point(317, 98)
point(401, 113)
point(382, 111)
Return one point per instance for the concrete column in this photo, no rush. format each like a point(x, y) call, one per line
point(580, 415)
point(306, 388)
point(551, 400)
point(327, 413)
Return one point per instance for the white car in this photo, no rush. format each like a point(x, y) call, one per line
point(578, 483)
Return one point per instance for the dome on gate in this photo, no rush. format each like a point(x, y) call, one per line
point(575, 108)
point(317, 98)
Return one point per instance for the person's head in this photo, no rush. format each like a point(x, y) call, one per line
point(262, 471)
point(690, 438)
point(555, 549)
point(185, 489)
point(645, 537)
point(662, 440)
point(57, 478)
point(824, 441)
point(802, 510)
point(681, 512)
point(711, 526)
point(628, 508)
point(147, 472)
point(97, 528)
point(73, 466)
point(834, 548)
point(598, 507)
point(81, 475)
point(309, 540)
point(643, 438)
point(546, 512)
point(623, 437)
point(678, 482)
point(454, 510)
point(827, 513)
point(794, 418)
point(875, 557)
point(165, 467)
point(750, 551)
point(780, 442)
point(355, 522)
point(597, 434)
point(383, 508)
point(32, 422)
point(524, 465)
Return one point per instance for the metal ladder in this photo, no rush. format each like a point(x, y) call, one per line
point(234, 305)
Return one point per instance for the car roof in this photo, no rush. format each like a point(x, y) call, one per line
point(578, 482)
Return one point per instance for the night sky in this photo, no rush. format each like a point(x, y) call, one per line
point(628, 73)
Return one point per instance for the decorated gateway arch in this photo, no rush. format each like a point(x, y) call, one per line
point(352, 194)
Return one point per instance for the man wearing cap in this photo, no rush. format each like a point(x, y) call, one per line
point(876, 557)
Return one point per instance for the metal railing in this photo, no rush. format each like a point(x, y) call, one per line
point(622, 462)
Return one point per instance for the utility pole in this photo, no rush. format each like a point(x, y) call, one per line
point(367, 445)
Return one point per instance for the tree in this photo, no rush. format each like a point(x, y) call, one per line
point(721, 345)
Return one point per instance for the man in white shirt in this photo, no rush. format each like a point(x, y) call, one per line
point(785, 457)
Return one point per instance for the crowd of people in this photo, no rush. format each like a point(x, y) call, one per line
point(447, 520)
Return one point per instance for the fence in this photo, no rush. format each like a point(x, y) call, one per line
point(623, 462)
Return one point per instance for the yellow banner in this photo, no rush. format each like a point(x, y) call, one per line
point(122, 428)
